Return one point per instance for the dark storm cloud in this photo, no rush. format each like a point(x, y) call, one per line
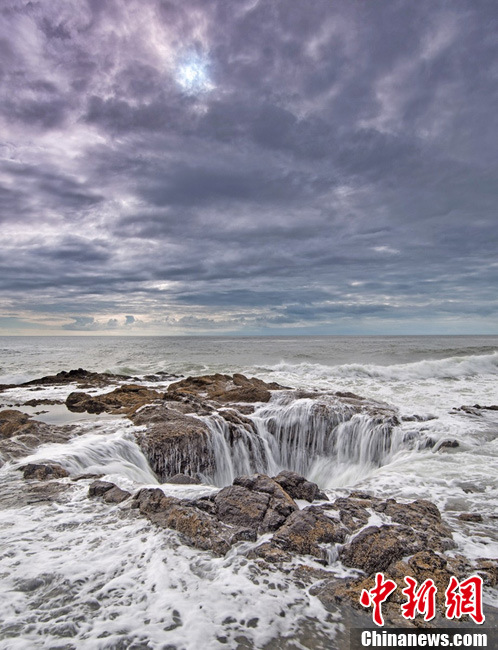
point(189, 165)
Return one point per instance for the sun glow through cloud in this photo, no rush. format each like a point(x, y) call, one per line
point(192, 74)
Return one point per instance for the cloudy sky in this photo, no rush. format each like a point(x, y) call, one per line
point(248, 166)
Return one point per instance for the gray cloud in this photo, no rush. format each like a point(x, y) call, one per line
point(317, 166)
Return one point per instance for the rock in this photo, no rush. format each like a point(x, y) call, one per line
point(256, 501)
point(224, 388)
point(198, 528)
point(470, 516)
point(110, 492)
point(151, 500)
point(174, 443)
point(351, 512)
point(424, 518)
point(305, 530)
point(14, 423)
point(374, 548)
point(43, 472)
point(183, 479)
point(83, 377)
point(99, 488)
point(124, 399)
point(116, 495)
point(19, 433)
point(298, 487)
point(202, 530)
point(448, 444)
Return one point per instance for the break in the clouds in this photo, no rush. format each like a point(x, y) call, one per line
point(178, 166)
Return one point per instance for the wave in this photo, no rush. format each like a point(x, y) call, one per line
point(449, 368)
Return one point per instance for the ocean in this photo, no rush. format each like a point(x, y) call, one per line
point(81, 575)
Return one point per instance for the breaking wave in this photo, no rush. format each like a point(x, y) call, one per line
point(449, 368)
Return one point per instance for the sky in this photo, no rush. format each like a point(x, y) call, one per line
point(248, 167)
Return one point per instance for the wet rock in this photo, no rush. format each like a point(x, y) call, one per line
point(38, 402)
point(351, 511)
point(374, 548)
point(470, 516)
point(116, 495)
point(174, 443)
point(448, 444)
point(14, 423)
point(269, 553)
point(224, 388)
point(202, 530)
point(305, 530)
point(297, 486)
point(152, 500)
point(43, 472)
point(109, 492)
point(99, 488)
point(20, 434)
point(183, 479)
point(124, 399)
point(85, 378)
point(197, 527)
point(256, 501)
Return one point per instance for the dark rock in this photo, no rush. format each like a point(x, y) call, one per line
point(79, 376)
point(99, 488)
point(256, 501)
point(374, 548)
point(38, 402)
point(202, 530)
point(20, 433)
point(124, 399)
point(14, 423)
point(43, 472)
point(306, 529)
point(183, 479)
point(152, 500)
point(197, 527)
point(352, 512)
point(470, 516)
point(448, 444)
point(297, 486)
point(115, 495)
point(174, 443)
point(224, 388)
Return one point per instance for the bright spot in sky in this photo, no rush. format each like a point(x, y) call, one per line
point(192, 74)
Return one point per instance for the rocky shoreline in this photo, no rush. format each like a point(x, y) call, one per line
point(282, 518)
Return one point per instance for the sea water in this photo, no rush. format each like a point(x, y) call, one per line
point(78, 573)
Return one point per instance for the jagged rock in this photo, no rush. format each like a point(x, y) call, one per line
point(423, 517)
point(174, 443)
point(202, 530)
point(470, 516)
point(116, 495)
point(418, 527)
point(14, 423)
point(183, 479)
point(374, 548)
point(224, 388)
point(124, 399)
point(43, 472)
point(85, 378)
point(351, 511)
point(99, 488)
point(256, 501)
point(110, 492)
point(305, 530)
point(20, 434)
point(448, 444)
point(151, 500)
point(297, 486)
point(199, 528)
